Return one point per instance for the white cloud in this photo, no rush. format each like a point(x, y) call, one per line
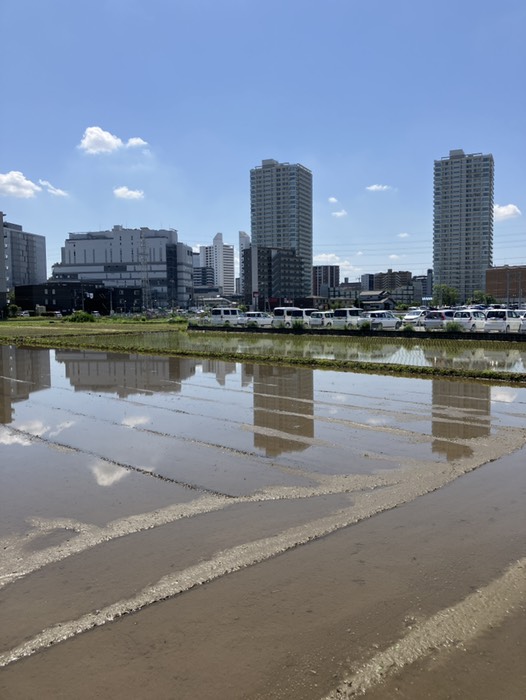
point(15, 184)
point(359, 253)
point(378, 188)
point(347, 269)
point(339, 214)
point(96, 140)
point(125, 193)
point(503, 394)
point(403, 235)
point(52, 190)
point(508, 211)
point(394, 257)
point(333, 200)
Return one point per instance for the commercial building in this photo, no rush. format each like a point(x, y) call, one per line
point(463, 221)
point(324, 277)
point(23, 259)
point(390, 280)
point(152, 260)
point(507, 284)
point(281, 214)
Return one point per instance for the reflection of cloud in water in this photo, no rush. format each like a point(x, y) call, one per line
point(503, 394)
point(9, 438)
point(376, 421)
point(39, 429)
point(134, 421)
point(35, 427)
point(107, 474)
point(60, 427)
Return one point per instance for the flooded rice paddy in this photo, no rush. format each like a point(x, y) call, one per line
point(182, 528)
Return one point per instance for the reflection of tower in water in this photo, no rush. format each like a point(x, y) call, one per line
point(22, 371)
point(283, 406)
point(461, 411)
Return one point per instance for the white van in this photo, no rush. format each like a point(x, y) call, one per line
point(283, 316)
point(224, 316)
point(347, 318)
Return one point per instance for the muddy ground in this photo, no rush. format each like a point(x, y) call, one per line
point(213, 531)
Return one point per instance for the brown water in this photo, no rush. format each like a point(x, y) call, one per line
point(180, 528)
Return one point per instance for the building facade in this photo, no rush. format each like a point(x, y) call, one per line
point(281, 213)
point(220, 257)
point(463, 221)
point(23, 259)
point(324, 277)
point(152, 260)
point(507, 284)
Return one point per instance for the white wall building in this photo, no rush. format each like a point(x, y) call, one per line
point(463, 221)
point(151, 259)
point(220, 257)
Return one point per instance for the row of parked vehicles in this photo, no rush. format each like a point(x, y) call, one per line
point(491, 320)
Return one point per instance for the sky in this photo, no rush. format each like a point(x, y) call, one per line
point(152, 113)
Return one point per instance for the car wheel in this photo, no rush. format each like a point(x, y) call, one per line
point(507, 329)
point(398, 325)
point(473, 328)
point(288, 324)
point(347, 326)
point(379, 326)
point(329, 325)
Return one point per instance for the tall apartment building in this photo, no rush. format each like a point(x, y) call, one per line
point(23, 259)
point(281, 213)
point(220, 257)
point(324, 277)
point(244, 243)
point(463, 221)
point(151, 260)
point(390, 280)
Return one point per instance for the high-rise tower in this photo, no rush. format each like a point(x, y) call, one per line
point(463, 221)
point(281, 212)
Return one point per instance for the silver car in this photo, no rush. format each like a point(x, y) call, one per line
point(381, 320)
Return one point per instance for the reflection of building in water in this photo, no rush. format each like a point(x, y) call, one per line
point(124, 374)
point(283, 402)
point(220, 368)
point(461, 411)
point(22, 371)
point(477, 358)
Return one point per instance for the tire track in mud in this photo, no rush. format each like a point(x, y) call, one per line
point(401, 487)
point(451, 628)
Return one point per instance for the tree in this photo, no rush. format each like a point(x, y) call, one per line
point(480, 297)
point(443, 295)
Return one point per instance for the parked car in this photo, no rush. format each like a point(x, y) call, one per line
point(321, 319)
point(470, 319)
point(381, 320)
point(415, 317)
point(347, 318)
point(283, 316)
point(292, 315)
point(257, 318)
point(502, 321)
point(522, 327)
point(436, 320)
point(225, 316)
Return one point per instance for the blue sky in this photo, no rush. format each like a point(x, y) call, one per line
point(152, 113)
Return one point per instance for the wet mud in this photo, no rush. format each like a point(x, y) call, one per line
point(220, 531)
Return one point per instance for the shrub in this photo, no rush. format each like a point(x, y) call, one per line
point(81, 317)
point(408, 328)
point(453, 327)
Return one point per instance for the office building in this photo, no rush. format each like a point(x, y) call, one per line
point(23, 259)
point(244, 243)
point(463, 221)
point(151, 260)
point(281, 213)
